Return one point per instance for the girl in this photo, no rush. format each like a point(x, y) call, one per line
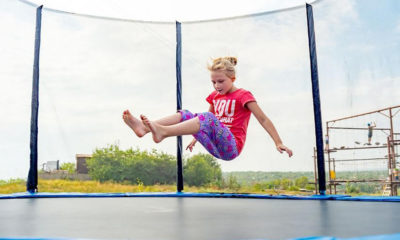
point(221, 130)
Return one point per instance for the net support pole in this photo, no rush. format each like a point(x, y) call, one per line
point(316, 100)
point(179, 103)
point(32, 182)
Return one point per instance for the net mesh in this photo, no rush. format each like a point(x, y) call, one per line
point(92, 69)
point(358, 74)
point(17, 24)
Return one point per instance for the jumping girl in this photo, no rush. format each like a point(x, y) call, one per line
point(222, 130)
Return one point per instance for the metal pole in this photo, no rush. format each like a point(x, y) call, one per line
point(329, 159)
point(334, 170)
point(393, 187)
point(363, 114)
point(316, 100)
point(179, 103)
point(32, 183)
point(353, 128)
point(389, 142)
point(315, 171)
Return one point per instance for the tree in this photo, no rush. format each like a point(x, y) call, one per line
point(70, 167)
point(301, 182)
point(351, 188)
point(132, 165)
point(202, 169)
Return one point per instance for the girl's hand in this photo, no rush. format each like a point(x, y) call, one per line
point(282, 148)
point(191, 145)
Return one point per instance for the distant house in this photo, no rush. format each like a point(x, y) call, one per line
point(81, 166)
point(51, 166)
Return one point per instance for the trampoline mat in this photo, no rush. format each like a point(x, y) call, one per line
point(194, 218)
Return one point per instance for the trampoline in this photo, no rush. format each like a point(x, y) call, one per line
point(71, 41)
point(196, 216)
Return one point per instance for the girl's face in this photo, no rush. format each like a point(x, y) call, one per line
point(222, 83)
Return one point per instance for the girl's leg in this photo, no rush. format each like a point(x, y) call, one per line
point(140, 129)
point(160, 132)
point(135, 124)
point(205, 127)
point(216, 137)
point(170, 120)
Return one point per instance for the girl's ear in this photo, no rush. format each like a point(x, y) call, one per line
point(233, 79)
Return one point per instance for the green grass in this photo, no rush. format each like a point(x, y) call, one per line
point(55, 186)
point(12, 186)
point(58, 185)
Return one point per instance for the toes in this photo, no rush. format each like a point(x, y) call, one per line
point(143, 117)
point(145, 121)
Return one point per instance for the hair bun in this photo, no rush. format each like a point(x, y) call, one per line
point(233, 60)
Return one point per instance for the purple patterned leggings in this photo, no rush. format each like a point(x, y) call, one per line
point(213, 135)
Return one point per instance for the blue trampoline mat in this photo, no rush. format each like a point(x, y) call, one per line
point(206, 216)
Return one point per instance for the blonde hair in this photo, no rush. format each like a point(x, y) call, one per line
point(226, 64)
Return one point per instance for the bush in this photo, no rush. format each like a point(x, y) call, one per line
point(70, 167)
point(285, 184)
point(229, 182)
point(301, 182)
point(202, 169)
point(149, 168)
point(351, 188)
point(133, 166)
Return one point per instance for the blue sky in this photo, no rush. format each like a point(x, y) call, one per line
point(92, 69)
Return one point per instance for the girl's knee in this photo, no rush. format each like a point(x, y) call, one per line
point(230, 154)
point(186, 115)
point(209, 115)
point(206, 116)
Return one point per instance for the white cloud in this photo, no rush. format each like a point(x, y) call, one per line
point(332, 19)
point(398, 26)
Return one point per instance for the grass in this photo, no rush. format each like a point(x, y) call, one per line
point(56, 186)
point(12, 186)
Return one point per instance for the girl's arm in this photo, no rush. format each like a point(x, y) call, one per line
point(193, 142)
point(268, 126)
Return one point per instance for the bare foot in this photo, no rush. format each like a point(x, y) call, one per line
point(135, 124)
point(155, 129)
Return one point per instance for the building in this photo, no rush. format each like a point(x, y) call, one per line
point(81, 166)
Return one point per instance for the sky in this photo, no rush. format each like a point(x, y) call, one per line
point(91, 69)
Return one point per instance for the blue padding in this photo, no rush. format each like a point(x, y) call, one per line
point(44, 239)
point(377, 237)
point(372, 199)
point(199, 195)
point(315, 238)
